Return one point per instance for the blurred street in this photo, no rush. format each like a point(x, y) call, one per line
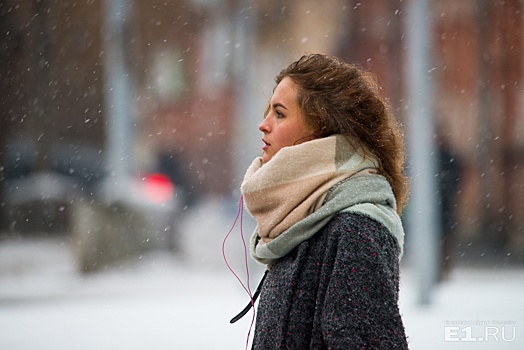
point(162, 300)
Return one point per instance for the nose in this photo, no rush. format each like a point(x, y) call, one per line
point(264, 126)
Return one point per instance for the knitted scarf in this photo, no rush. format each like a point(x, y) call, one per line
point(302, 187)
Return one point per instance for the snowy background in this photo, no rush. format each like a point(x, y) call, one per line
point(162, 300)
point(179, 87)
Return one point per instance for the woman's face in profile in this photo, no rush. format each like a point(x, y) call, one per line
point(283, 124)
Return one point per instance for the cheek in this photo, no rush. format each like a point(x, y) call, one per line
point(300, 132)
point(289, 137)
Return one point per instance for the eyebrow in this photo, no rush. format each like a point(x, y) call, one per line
point(278, 104)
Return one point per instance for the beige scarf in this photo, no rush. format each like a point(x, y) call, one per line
point(294, 182)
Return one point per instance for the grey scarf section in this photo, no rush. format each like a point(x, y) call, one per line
point(369, 195)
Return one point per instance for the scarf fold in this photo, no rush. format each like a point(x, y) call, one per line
point(302, 187)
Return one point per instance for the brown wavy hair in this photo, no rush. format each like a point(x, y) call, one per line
point(337, 97)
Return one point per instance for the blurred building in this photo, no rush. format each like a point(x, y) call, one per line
point(202, 71)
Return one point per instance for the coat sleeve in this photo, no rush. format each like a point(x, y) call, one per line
point(360, 307)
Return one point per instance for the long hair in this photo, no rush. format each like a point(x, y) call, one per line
point(336, 97)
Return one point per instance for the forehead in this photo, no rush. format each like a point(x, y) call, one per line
point(285, 91)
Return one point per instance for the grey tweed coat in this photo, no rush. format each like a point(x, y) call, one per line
point(337, 290)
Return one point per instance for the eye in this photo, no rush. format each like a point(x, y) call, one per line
point(279, 115)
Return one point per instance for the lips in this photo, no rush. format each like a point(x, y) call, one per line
point(266, 145)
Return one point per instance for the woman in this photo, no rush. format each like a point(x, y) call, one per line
point(327, 194)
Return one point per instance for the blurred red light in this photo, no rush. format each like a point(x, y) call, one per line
point(158, 188)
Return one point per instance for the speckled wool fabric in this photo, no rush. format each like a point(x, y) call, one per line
point(337, 290)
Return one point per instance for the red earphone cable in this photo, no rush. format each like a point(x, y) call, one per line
point(244, 286)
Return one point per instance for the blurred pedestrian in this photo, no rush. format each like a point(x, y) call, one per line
point(326, 194)
point(449, 173)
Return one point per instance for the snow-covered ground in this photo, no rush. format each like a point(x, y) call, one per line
point(165, 301)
